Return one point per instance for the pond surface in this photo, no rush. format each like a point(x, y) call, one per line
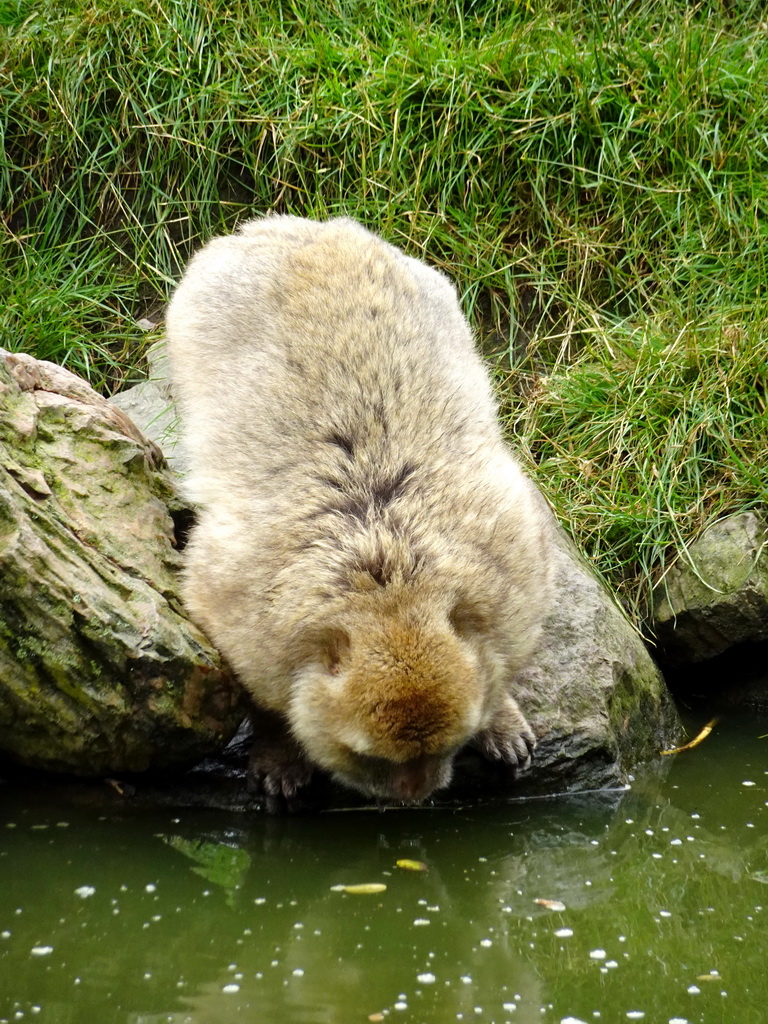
point(210, 918)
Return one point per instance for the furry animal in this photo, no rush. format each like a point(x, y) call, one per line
point(368, 555)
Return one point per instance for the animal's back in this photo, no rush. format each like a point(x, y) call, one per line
point(292, 333)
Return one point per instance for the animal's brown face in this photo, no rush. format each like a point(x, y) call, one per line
point(385, 707)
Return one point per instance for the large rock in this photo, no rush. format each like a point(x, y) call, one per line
point(100, 671)
point(717, 596)
point(150, 405)
point(596, 700)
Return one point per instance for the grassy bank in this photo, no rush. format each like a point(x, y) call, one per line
point(593, 176)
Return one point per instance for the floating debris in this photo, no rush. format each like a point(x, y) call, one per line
point(551, 904)
point(411, 865)
point(695, 741)
point(363, 889)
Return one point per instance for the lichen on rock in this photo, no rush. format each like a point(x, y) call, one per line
point(100, 671)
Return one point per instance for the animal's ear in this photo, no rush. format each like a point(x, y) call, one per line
point(468, 617)
point(334, 648)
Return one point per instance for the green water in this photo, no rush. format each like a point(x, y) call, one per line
point(201, 917)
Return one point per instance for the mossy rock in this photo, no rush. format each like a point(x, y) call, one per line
point(100, 671)
point(717, 596)
point(593, 694)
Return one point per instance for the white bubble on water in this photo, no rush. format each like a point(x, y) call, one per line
point(84, 891)
point(41, 950)
point(564, 933)
point(230, 988)
point(426, 978)
point(598, 954)
point(746, 782)
point(694, 990)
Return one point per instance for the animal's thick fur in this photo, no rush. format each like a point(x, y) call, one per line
point(368, 556)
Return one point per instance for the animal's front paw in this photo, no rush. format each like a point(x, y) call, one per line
point(277, 768)
point(509, 738)
point(284, 780)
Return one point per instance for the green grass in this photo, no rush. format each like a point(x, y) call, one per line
point(647, 438)
point(594, 177)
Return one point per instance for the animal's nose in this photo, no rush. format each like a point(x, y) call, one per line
point(411, 780)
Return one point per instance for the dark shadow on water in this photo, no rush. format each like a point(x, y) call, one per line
point(738, 678)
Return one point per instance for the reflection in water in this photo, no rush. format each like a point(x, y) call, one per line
point(206, 918)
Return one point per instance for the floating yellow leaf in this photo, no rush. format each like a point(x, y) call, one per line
point(714, 976)
point(375, 1016)
point(551, 904)
point(411, 865)
point(363, 889)
point(695, 741)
